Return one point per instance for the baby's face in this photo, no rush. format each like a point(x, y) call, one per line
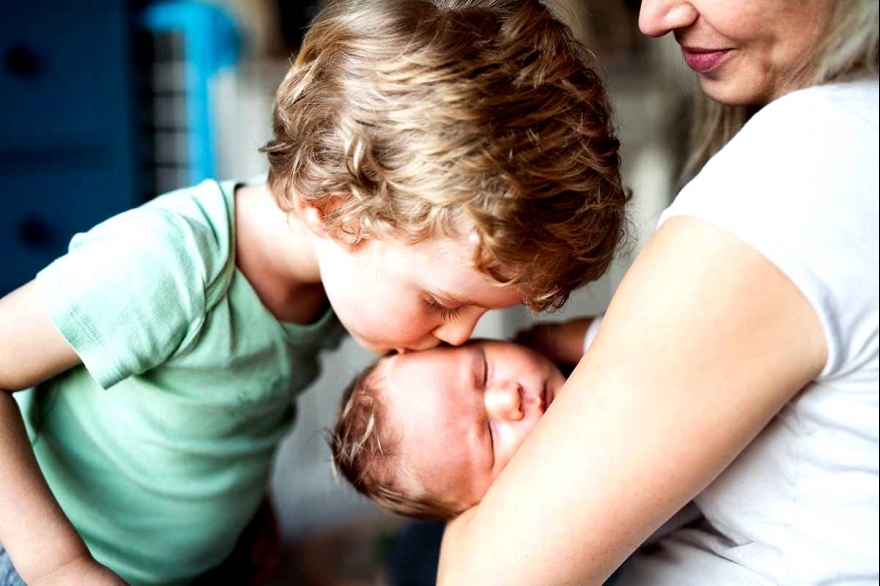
point(463, 412)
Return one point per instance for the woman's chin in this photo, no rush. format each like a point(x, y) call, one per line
point(731, 91)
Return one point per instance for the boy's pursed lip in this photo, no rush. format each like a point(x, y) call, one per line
point(703, 60)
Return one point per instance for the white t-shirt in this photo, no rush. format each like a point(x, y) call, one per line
point(800, 505)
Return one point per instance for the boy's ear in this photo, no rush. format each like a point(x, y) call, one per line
point(313, 217)
point(313, 214)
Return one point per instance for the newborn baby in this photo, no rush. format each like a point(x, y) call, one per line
point(424, 434)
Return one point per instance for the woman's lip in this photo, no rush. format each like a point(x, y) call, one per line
point(703, 60)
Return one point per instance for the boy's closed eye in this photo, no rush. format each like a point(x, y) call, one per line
point(445, 312)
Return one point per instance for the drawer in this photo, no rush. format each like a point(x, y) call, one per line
point(39, 214)
point(63, 70)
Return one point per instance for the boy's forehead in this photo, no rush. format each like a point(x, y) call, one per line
point(456, 246)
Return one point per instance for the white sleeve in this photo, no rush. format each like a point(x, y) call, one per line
point(799, 184)
point(592, 330)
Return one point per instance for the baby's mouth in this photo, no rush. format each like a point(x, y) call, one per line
point(546, 399)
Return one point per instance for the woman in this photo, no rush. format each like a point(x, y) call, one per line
point(738, 361)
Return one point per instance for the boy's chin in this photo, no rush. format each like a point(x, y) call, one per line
point(370, 346)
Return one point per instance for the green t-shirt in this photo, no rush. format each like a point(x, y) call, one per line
point(159, 448)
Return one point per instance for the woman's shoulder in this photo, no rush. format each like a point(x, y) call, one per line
point(797, 140)
point(861, 93)
point(799, 185)
point(820, 110)
point(801, 176)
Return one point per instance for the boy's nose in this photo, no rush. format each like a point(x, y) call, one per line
point(458, 331)
point(658, 17)
point(426, 343)
point(504, 401)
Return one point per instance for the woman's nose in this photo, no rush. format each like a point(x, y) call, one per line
point(458, 331)
point(504, 401)
point(658, 17)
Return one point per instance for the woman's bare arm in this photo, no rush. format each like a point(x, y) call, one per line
point(704, 342)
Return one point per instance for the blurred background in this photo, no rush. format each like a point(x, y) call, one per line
point(104, 105)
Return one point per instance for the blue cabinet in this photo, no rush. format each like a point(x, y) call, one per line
point(102, 106)
point(68, 127)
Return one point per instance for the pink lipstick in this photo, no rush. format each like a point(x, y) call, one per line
point(703, 60)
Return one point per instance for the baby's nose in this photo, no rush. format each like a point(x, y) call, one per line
point(504, 401)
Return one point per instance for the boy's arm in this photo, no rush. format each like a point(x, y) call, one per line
point(41, 542)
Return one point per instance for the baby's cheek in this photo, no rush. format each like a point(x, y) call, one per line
point(513, 442)
point(482, 485)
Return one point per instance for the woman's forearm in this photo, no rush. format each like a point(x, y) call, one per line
point(690, 364)
point(555, 517)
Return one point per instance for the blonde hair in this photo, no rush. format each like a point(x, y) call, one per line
point(413, 118)
point(365, 451)
point(848, 49)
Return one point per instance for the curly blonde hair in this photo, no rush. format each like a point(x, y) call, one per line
point(414, 118)
point(365, 451)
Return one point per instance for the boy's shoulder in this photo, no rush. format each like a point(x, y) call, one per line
point(183, 240)
point(198, 220)
point(198, 224)
point(208, 205)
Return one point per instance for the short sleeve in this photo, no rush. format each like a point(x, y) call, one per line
point(592, 330)
point(800, 185)
point(132, 291)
